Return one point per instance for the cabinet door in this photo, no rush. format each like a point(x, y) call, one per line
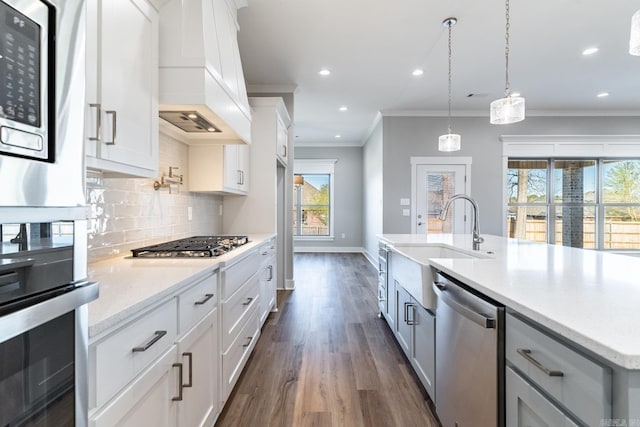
point(423, 354)
point(232, 173)
point(405, 317)
point(390, 314)
point(198, 352)
point(526, 407)
point(147, 401)
point(244, 167)
point(282, 138)
point(128, 82)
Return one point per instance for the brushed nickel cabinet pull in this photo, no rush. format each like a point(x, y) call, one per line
point(179, 397)
point(248, 342)
point(206, 298)
point(156, 337)
point(248, 301)
point(189, 355)
point(113, 127)
point(270, 273)
point(98, 121)
point(526, 353)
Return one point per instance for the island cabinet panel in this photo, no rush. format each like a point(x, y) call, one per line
point(526, 407)
point(577, 382)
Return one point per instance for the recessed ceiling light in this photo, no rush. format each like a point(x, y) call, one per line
point(417, 72)
point(602, 94)
point(343, 108)
point(338, 136)
point(324, 72)
point(515, 94)
point(589, 51)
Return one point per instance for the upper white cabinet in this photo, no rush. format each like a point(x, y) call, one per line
point(219, 169)
point(121, 129)
point(200, 69)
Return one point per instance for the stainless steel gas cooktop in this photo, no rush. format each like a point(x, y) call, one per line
point(192, 247)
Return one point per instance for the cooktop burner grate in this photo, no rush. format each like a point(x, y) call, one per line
point(192, 247)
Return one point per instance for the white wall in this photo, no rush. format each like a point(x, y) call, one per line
point(372, 174)
point(347, 198)
point(127, 213)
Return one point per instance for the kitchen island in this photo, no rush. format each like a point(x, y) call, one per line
point(585, 299)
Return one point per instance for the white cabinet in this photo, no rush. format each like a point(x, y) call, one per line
point(163, 367)
point(282, 140)
point(268, 280)
point(146, 401)
point(239, 302)
point(219, 169)
point(198, 353)
point(121, 129)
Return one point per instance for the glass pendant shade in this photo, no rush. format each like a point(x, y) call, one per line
point(449, 142)
point(507, 110)
point(634, 39)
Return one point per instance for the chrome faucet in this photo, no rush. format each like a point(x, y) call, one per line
point(476, 231)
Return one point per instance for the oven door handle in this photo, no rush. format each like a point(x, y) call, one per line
point(13, 263)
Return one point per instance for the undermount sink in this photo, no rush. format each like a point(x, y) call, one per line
point(411, 268)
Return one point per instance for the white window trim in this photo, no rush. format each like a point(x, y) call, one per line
point(554, 146)
point(319, 166)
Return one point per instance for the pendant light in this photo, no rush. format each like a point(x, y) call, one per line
point(634, 39)
point(449, 141)
point(509, 109)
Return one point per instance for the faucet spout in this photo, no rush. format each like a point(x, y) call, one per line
point(477, 239)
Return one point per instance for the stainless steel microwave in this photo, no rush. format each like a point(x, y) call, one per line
point(42, 83)
point(26, 83)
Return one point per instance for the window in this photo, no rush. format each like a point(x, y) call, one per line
point(313, 199)
point(587, 203)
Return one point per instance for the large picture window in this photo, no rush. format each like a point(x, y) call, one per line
point(587, 203)
point(313, 199)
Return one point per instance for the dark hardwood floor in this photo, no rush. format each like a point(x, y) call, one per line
point(326, 359)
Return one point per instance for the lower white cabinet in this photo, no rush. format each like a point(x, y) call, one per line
point(146, 401)
point(198, 352)
point(268, 280)
point(415, 332)
point(162, 368)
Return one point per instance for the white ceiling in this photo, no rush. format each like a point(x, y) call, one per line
point(372, 46)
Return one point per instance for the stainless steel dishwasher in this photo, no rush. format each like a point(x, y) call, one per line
point(469, 356)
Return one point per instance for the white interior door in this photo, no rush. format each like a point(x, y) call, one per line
point(435, 184)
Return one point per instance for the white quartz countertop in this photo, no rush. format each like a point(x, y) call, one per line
point(586, 296)
point(129, 285)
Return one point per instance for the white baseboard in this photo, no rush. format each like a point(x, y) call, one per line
point(331, 249)
point(289, 285)
point(373, 260)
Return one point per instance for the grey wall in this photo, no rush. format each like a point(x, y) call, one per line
point(404, 137)
point(347, 195)
point(372, 192)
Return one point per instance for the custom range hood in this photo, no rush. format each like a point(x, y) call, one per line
point(202, 94)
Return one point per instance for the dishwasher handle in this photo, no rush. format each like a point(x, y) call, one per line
point(441, 291)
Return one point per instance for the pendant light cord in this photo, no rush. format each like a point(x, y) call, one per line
point(507, 91)
point(450, 25)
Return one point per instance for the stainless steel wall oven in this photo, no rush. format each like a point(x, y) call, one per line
point(43, 324)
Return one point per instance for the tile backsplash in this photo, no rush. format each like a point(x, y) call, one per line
point(127, 213)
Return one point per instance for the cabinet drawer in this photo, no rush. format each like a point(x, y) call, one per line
point(236, 310)
point(234, 276)
point(116, 362)
point(584, 387)
point(234, 359)
point(196, 302)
